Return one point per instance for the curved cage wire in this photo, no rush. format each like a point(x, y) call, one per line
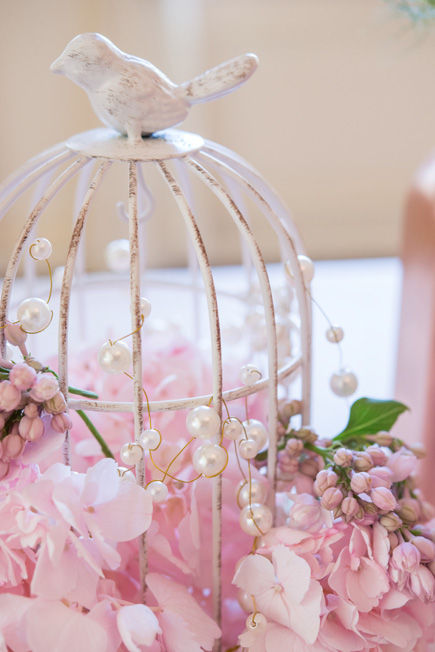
point(179, 158)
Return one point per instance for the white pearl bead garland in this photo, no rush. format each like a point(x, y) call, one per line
point(158, 491)
point(210, 459)
point(233, 429)
point(41, 249)
point(131, 454)
point(248, 449)
point(307, 268)
point(256, 622)
point(257, 431)
point(344, 382)
point(114, 358)
point(334, 334)
point(249, 375)
point(150, 439)
point(117, 255)
point(256, 519)
point(34, 315)
point(203, 422)
point(246, 496)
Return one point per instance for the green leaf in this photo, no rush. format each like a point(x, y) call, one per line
point(369, 416)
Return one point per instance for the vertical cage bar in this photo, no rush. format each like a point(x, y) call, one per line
point(65, 294)
point(269, 314)
point(216, 353)
point(137, 348)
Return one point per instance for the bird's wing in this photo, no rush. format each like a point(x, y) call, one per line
point(220, 80)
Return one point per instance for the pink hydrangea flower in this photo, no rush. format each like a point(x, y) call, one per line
point(284, 590)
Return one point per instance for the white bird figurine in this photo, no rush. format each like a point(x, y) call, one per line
point(132, 95)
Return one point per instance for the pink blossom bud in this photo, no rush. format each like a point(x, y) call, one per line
point(427, 510)
point(15, 335)
point(325, 478)
point(381, 476)
point(383, 498)
point(10, 396)
point(350, 506)
point(425, 547)
point(377, 454)
point(55, 405)
point(31, 429)
point(287, 410)
point(343, 457)
point(331, 498)
point(294, 447)
point(383, 438)
point(22, 376)
point(13, 446)
point(422, 584)
point(370, 508)
point(418, 450)
point(391, 522)
point(31, 410)
point(409, 510)
point(61, 422)
point(406, 557)
point(309, 467)
point(402, 463)
point(362, 461)
point(4, 468)
point(44, 388)
point(288, 464)
point(393, 539)
point(35, 364)
point(361, 482)
point(306, 435)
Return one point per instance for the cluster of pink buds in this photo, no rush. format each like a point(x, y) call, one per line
point(27, 393)
point(296, 457)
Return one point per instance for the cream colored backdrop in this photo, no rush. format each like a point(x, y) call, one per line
point(339, 114)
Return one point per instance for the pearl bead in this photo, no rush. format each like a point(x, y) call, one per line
point(210, 459)
point(158, 491)
point(245, 600)
point(34, 315)
point(150, 439)
point(117, 255)
point(307, 268)
point(256, 622)
point(256, 431)
point(257, 493)
point(145, 307)
point(114, 359)
point(256, 519)
point(249, 375)
point(334, 334)
point(203, 422)
point(130, 454)
point(248, 449)
point(126, 474)
point(41, 249)
point(344, 382)
point(233, 429)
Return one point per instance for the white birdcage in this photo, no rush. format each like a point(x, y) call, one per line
point(180, 158)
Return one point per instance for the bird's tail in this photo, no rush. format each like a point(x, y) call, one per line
point(220, 80)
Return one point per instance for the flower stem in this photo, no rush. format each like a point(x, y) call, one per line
point(82, 392)
point(104, 447)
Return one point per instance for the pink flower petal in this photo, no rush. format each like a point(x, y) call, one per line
point(12, 611)
point(292, 572)
point(137, 625)
point(255, 575)
point(53, 626)
point(126, 516)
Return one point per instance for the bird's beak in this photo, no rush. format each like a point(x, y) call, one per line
point(57, 66)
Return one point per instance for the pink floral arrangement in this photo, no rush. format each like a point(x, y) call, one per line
point(350, 565)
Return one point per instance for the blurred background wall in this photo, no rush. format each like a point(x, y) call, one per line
point(337, 117)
